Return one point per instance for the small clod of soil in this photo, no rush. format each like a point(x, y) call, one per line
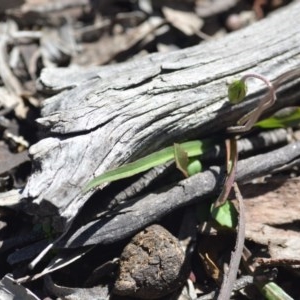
point(152, 265)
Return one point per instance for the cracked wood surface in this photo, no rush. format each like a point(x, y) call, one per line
point(105, 116)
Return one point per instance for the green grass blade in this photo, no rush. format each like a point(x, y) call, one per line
point(274, 292)
point(192, 148)
point(281, 121)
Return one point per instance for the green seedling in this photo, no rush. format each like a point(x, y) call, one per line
point(192, 149)
point(237, 91)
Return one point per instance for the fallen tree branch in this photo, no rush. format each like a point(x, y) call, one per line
point(106, 116)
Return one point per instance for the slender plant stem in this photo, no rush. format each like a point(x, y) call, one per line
point(247, 122)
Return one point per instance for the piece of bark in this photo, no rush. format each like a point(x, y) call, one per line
point(272, 214)
point(110, 115)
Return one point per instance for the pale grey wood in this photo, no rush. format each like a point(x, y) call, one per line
point(11, 199)
point(106, 116)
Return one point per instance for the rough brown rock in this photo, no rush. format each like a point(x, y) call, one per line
point(152, 265)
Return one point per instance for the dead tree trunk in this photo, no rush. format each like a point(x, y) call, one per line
point(105, 116)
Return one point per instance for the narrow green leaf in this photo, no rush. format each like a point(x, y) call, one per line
point(225, 215)
point(269, 123)
point(274, 292)
point(279, 121)
point(192, 148)
point(181, 159)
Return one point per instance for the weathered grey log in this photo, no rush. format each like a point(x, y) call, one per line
point(106, 116)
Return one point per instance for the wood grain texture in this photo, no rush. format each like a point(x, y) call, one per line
point(106, 116)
